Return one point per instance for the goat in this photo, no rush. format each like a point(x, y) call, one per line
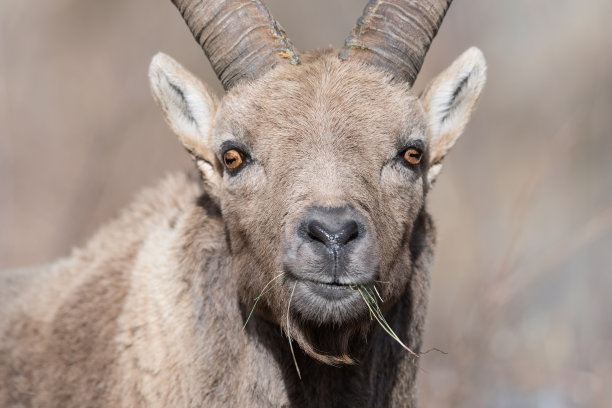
point(313, 171)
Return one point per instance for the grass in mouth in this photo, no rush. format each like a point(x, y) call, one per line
point(369, 294)
point(277, 280)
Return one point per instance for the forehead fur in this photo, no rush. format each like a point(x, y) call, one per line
point(321, 100)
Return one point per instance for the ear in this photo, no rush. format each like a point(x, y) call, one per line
point(189, 108)
point(449, 101)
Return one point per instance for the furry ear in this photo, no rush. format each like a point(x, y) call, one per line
point(449, 101)
point(189, 109)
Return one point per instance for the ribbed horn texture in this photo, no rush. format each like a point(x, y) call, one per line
point(239, 37)
point(395, 35)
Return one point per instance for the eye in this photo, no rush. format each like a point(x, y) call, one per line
point(233, 159)
point(413, 155)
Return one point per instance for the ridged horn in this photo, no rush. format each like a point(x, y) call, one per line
point(239, 37)
point(395, 35)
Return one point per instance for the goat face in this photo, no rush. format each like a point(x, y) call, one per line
point(320, 171)
point(324, 194)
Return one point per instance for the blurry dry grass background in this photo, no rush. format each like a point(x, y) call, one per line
point(522, 287)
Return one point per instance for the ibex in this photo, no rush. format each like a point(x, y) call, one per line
point(313, 173)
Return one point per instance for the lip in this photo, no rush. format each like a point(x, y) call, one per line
point(340, 283)
point(334, 290)
point(329, 291)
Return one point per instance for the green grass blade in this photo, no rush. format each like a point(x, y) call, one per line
point(263, 292)
point(372, 304)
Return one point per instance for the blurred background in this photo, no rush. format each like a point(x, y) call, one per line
point(521, 294)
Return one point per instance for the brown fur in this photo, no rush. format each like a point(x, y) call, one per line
point(150, 312)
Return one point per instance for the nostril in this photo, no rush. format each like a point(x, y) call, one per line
point(339, 237)
point(349, 232)
point(317, 232)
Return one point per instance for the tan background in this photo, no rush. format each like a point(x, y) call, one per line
point(522, 288)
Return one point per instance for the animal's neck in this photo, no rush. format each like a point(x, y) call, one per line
point(383, 371)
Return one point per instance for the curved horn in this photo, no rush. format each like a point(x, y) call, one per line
point(239, 37)
point(395, 34)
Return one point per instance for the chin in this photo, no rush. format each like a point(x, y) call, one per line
point(326, 319)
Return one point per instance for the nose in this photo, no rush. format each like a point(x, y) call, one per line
point(333, 246)
point(334, 227)
point(332, 236)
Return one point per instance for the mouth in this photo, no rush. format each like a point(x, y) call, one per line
point(330, 291)
point(337, 302)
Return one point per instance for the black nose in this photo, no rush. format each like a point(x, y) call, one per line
point(332, 236)
point(334, 227)
point(333, 246)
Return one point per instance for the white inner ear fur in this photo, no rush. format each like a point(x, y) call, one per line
point(449, 101)
point(188, 106)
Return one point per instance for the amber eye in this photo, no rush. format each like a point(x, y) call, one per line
point(232, 159)
point(413, 156)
